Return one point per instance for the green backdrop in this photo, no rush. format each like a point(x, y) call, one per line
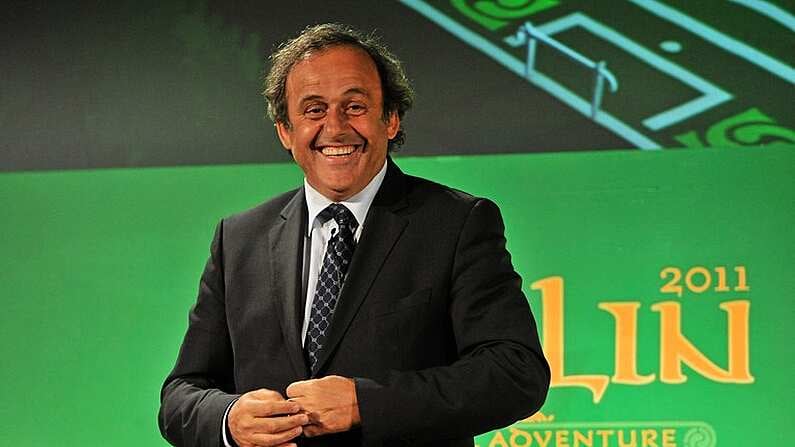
point(100, 268)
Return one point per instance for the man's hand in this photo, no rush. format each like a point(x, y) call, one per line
point(263, 418)
point(329, 402)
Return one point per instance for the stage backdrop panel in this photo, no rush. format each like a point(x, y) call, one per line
point(661, 282)
point(141, 83)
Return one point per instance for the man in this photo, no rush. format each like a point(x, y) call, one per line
point(368, 307)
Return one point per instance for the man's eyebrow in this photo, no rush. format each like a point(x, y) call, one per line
point(308, 98)
point(351, 91)
point(357, 90)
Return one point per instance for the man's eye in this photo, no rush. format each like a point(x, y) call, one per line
point(356, 109)
point(314, 111)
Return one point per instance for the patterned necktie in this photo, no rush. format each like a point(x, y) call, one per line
point(339, 253)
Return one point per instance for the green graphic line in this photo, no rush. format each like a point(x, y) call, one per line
point(517, 66)
point(495, 16)
point(719, 39)
point(620, 424)
point(711, 94)
point(751, 127)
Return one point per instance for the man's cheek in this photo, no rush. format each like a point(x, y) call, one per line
point(362, 134)
point(311, 135)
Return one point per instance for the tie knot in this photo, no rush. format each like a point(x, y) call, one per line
point(341, 214)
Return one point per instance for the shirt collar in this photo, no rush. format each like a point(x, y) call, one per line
point(358, 203)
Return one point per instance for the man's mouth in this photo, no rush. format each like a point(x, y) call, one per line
point(339, 151)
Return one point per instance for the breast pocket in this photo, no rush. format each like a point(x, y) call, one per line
point(398, 328)
point(406, 303)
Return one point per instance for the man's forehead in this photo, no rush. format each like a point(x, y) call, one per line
point(347, 69)
point(337, 50)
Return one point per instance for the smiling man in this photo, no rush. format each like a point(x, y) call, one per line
point(335, 127)
point(368, 307)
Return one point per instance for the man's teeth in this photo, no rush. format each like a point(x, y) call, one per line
point(338, 150)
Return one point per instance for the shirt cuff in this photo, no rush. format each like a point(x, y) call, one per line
point(226, 436)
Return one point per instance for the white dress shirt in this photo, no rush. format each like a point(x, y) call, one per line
point(315, 241)
point(318, 234)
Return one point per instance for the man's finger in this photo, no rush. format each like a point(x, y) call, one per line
point(262, 409)
point(274, 439)
point(310, 431)
point(297, 388)
point(279, 424)
point(265, 394)
point(284, 407)
point(246, 411)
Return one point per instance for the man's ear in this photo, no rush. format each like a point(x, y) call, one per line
point(392, 125)
point(285, 135)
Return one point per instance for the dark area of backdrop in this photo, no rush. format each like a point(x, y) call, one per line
point(161, 83)
point(661, 279)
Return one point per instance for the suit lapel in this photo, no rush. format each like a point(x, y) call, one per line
point(382, 229)
point(286, 238)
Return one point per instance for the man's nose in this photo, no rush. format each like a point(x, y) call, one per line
point(336, 122)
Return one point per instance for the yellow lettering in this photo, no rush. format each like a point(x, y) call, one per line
point(605, 434)
point(517, 435)
point(498, 440)
point(562, 438)
point(580, 439)
point(543, 442)
point(633, 439)
point(739, 359)
point(704, 284)
point(552, 333)
point(676, 349)
point(626, 358)
point(669, 437)
point(649, 438)
point(742, 283)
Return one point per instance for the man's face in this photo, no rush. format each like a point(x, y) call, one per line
point(337, 134)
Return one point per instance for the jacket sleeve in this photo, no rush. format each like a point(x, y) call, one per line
point(500, 375)
point(198, 391)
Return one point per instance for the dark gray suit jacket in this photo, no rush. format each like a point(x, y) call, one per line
point(431, 322)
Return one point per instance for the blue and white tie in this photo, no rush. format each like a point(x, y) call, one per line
point(339, 253)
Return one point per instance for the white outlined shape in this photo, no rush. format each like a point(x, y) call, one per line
point(734, 46)
point(528, 34)
point(711, 94)
point(771, 11)
point(518, 67)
